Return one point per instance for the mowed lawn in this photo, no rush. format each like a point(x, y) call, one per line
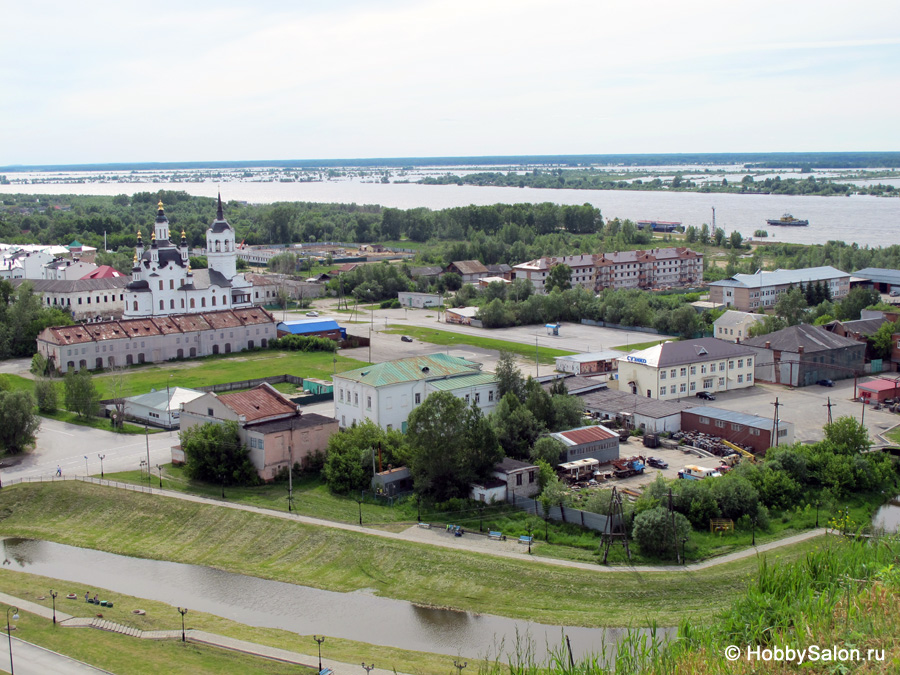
point(212, 370)
point(447, 338)
point(163, 528)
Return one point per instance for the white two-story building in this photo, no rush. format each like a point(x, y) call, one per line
point(387, 393)
point(674, 370)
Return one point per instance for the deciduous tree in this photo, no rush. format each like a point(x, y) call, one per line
point(18, 422)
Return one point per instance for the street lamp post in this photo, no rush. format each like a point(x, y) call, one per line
point(159, 471)
point(101, 457)
point(85, 467)
point(319, 641)
point(683, 547)
point(753, 543)
point(15, 616)
point(182, 611)
point(359, 502)
point(53, 595)
point(368, 668)
point(817, 514)
point(459, 666)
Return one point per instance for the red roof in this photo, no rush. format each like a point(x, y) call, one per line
point(587, 435)
point(879, 385)
point(103, 272)
point(259, 403)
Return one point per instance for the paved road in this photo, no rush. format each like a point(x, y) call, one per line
point(30, 659)
point(65, 445)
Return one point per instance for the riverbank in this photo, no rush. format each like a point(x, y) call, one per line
point(283, 549)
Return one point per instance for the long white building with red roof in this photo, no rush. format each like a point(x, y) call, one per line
point(108, 344)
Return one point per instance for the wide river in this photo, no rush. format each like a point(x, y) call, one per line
point(361, 616)
point(864, 220)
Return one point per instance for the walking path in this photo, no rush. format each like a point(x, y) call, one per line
point(438, 536)
point(191, 635)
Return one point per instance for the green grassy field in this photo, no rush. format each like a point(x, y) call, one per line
point(447, 338)
point(276, 548)
point(123, 654)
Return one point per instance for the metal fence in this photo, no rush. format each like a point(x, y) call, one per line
point(566, 514)
point(84, 479)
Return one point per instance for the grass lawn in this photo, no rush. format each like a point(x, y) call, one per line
point(448, 338)
point(639, 345)
point(893, 435)
point(123, 654)
point(249, 543)
point(95, 422)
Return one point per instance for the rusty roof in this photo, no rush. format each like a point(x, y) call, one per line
point(190, 322)
point(224, 319)
point(584, 435)
point(253, 315)
point(259, 403)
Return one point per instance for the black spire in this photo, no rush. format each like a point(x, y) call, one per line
point(219, 214)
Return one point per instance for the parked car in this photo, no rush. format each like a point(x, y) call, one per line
point(312, 314)
point(706, 395)
point(826, 383)
point(406, 338)
point(657, 463)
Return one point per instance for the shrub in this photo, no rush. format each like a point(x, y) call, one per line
point(46, 395)
point(304, 343)
point(653, 531)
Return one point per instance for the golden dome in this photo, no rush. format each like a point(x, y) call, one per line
point(183, 235)
point(139, 234)
point(153, 237)
point(160, 205)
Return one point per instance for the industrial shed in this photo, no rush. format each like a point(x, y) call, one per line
point(739, 428)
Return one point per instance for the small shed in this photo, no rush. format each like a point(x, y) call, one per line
point(878, 390)
point(392, 482)
point(489, 491)
point(552, 329)
point(313, 327)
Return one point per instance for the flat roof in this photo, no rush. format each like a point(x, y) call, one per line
point(879, 385)
point(615, 402)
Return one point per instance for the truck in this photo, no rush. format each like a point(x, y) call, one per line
point(694, 472)
point(623, 468)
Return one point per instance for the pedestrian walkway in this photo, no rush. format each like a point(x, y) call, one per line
point(437, 536)
point(191, 635)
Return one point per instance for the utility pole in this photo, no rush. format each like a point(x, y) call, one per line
point(537, 367)
point(828, 405)
point(147, 436)
point(777, 405)
point(674, 529)
point(291, 474)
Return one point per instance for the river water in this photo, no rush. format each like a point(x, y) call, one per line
point(360, 615)
point(887, 517)
point(865, 220)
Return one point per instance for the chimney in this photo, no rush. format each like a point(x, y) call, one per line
point(800, 350)
point(768, 345)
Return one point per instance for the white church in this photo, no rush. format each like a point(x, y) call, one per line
point(163, 283)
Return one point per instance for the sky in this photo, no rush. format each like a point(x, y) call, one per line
point(97, 82)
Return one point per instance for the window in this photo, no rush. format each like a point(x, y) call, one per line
point(703, 420)
point(749, 363)
point(418, 399)
point(662, 391)
point(782, 432)
point(740, 363)
point(693, 370)
point(162, 304)
point(682, 388)
point(467, 399)
point(160, 284)
point(703, 369)
point(171, 284)
point(753, 432)
point(662, 374)
point(531, 476)
point(707, 383)
point(672, 373)
point(477, 398)
point(490, 395)
point(683, 372)
point(749, 377)
point(518, 479)
point(721, 381)
point(202, 302)
point(720, 424)
point(712, 367)
point(722, 365)
point(368, 402)
point(209, 412)
point(341, 394)
point(693, 386)
point(355, 398)
point(672, 389)
point(737, 427)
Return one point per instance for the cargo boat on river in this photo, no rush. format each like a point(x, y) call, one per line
point(788, 220)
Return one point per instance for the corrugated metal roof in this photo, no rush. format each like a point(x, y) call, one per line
point(258, 403)
point(583, 435)
point(462, 381)
point(470, 266)
point(879, 275)
point(733, 318)
point(734, 417)
point(811, 338)
point(615, 402)
point(780, 277)
point(302, 327)
point(414, 368)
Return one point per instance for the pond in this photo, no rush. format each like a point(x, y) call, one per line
point(887, 518)
point(360, 615)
